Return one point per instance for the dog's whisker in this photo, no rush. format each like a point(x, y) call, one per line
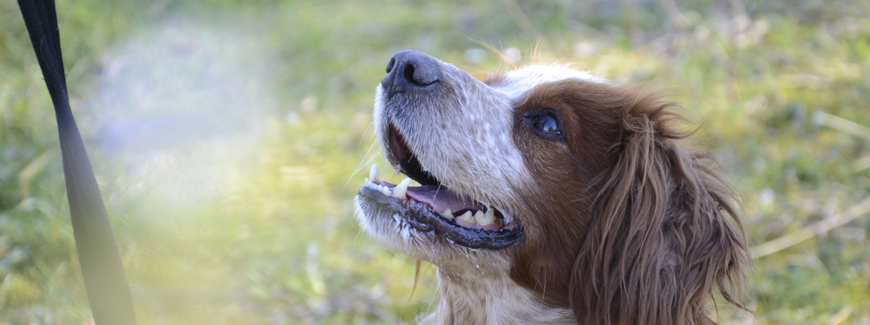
point(365, 162)
point(352, 244)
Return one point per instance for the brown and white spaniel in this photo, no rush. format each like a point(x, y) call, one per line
point(550, 196)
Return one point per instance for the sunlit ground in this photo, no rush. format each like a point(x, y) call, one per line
point(229, 139)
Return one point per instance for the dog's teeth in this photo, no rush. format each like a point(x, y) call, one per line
point(401, 190)
point(467, 217)
point(384, 189)
point(447, 214)
point(478, 216)
point(487, 218)
point(373, 174)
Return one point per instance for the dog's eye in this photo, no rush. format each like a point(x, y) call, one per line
point(546, 123)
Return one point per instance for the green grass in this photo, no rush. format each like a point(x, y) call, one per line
point(239, 127)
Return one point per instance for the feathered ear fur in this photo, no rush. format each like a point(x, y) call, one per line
point(659, 241)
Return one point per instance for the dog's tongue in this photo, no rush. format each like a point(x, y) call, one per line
point(441, 199)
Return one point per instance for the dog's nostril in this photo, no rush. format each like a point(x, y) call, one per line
point(391, 64)
point(410, 71)
point(409, 75)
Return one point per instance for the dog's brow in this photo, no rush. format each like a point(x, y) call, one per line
point(517, 82)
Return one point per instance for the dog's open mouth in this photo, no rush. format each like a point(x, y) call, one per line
point(432, 207)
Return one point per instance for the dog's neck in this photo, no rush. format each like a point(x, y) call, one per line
point(482, 296)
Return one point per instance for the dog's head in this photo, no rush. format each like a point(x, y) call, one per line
point(572, 185)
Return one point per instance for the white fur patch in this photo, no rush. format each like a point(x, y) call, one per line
point(516, 83)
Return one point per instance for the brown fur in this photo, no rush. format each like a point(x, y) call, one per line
point(629, 227)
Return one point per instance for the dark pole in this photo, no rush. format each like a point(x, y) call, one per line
point(105, 281)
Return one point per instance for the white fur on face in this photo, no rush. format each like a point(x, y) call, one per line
point(461, 134)
point(515, 84)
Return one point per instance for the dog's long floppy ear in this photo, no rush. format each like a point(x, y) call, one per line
point(660, 241)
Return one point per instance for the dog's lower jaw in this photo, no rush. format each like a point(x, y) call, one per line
point(477, 296)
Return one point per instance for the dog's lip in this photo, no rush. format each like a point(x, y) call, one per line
point(419, 213)
point(405, 158)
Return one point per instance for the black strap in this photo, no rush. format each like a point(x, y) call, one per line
point(100, 261)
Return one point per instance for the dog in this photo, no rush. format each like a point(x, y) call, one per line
point(550, 196)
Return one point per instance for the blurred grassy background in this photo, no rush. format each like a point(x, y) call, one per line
point(227, 136)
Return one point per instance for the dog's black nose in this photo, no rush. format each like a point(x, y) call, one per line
point(410, 71)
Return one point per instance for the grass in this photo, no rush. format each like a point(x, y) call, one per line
point(227, 138)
